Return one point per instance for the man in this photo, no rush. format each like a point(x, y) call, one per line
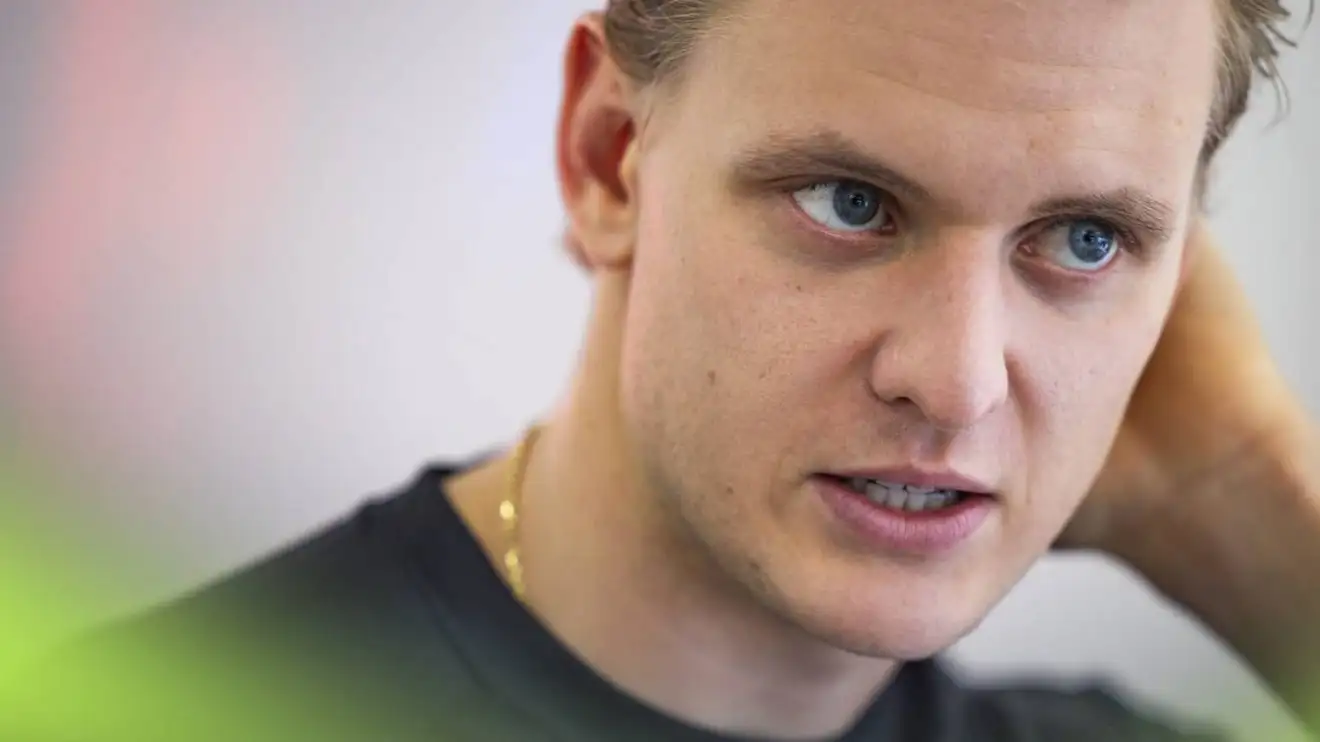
point(890, 298)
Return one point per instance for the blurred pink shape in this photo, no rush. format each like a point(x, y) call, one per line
point(154, 131)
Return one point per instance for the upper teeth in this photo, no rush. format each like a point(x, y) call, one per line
point(905, 497)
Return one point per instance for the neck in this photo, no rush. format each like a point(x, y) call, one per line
point(612, 571)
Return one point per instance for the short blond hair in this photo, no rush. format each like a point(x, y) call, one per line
point(649, 40)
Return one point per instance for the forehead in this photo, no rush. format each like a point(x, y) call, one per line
point(974, 94)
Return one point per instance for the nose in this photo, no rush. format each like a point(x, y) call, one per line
point(943, 356)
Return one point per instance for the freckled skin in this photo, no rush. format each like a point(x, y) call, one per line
point(758, 350)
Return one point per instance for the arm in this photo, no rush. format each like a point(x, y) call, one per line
point(1243, 555)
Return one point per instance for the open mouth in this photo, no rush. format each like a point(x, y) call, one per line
point(907, 512)
point(905, 497)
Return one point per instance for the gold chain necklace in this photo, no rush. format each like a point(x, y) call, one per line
point(509, 511)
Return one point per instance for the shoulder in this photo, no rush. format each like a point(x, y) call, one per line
point(364, 565)
point(339, 621)
point(1078, 712)
point(932, 701)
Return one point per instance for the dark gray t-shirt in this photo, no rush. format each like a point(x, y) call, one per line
point(393, 625)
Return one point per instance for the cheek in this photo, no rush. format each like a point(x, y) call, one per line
point(674, 352)
point(717, 349)
point(1083, 377)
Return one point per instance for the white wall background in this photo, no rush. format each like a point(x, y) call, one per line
point(261, 259)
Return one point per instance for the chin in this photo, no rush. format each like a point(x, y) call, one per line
point(902, 625)
point(907, 638)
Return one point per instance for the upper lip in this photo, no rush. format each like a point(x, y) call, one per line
point(918, 477)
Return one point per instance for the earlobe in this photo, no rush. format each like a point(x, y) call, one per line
point(616, 219)
point(597, 151)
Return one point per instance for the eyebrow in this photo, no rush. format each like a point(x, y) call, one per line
point(1126, 207)
point(782, 157)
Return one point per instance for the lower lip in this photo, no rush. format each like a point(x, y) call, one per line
point(918, 533)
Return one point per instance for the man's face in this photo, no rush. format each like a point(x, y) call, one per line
point(887, 236)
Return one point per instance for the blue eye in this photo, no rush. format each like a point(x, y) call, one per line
point(844, 205)
point(1082, 245)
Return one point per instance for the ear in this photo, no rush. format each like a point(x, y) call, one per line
point(596, 151)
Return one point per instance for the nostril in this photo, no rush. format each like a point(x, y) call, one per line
point(901, 402)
